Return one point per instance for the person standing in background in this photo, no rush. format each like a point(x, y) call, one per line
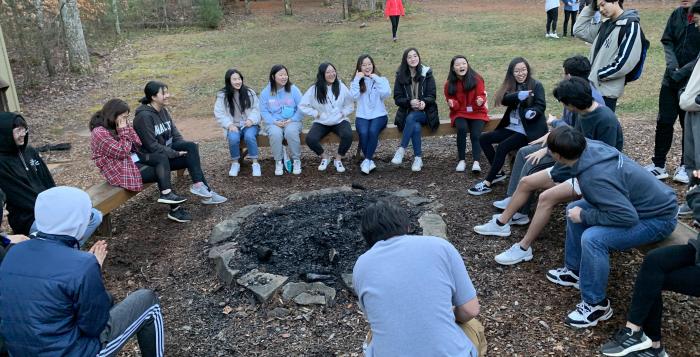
point(552, 9)
point(393, 9)
point(570, 11)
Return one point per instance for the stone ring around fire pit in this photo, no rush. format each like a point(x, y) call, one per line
point(308, 241)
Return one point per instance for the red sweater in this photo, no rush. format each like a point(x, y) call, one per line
point(467, 101)
point(113, 157)
point(393, 8)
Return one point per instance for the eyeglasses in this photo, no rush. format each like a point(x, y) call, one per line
point(20, 130)
point(520, 71)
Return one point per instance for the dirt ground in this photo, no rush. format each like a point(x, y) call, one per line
point(523, 313)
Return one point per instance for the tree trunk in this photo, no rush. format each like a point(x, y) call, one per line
point(78, 55)
point(326, 2)
point(346, 9)
point(247, 7)
point(45, 50)
point(115, 9)
point(165, 15)
point(288, 7)
point(21, 42)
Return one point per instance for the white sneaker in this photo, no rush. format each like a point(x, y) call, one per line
point(502, 204)
point(235, 168)
point(554, 35)
point(491, 228)
point(323, 165)
point(417, 164)
point(658, 172)
point(514, 255)
point(681, 175)
point(519, 219)
point(398, 156)
point(279, 168)
point(547, 35)
point(339, 166)
point(587, 315)
point(364, 166)
point(256, 170)
point(476, 168)
point(372, 165)
point(296, 167)
point(461, 166)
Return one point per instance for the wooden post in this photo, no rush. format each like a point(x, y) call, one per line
point(288, 7)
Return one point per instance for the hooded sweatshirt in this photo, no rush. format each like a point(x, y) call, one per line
point(681, 41)
point(23, 175)
point(281, 105)
point(334, 111)
point(690, 98)
point(620, 190)
point(403, 93)
point(611, 58)
point(156, 130)
point(223, 115)
point(370, 104)
point(64, 304)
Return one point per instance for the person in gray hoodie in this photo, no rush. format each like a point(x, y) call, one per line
point(617, 46)
point(623, 207)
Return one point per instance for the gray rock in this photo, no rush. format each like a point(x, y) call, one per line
point(292, 290)
point(434, 206)
point(218, 250)
point(309, 299)
point(278, 312)
point(223, 271)
point(263, 285)
point(433, 225)
point(324, 191)
point(347, 280)
point(403, 193)
point(227, 228)
point(417, 200)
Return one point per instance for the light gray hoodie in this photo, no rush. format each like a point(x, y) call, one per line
point(223, 114)
point(63, 211)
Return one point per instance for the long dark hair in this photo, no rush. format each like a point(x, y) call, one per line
point(403, 74)
point(107, 116)
point(243, 96)
point(152, 88)
point(322, 85)
point(358, 68)
point(273, 86)
point(509, 82)
point(469, 80)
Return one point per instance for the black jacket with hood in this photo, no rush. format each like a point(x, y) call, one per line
point(23, 175)
point(535, 127)
point(681, 41)
point(155, 129)
point(426, 92)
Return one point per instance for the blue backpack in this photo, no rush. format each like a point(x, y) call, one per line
point(636, 72)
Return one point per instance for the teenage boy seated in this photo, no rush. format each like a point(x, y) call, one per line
point(623, 207)
point(53, 301)
point(23, 175)
point(412, 289)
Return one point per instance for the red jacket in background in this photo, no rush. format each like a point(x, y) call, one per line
point(393, 8)
point(467, 107)
point(113, 157)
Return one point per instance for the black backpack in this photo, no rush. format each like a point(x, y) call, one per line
point(636, 72)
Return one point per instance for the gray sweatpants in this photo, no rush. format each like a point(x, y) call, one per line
point(292, 133)
point(691, 145)
point(522, 168)
point(138, 314)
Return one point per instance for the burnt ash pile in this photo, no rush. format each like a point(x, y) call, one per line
point(315, 239)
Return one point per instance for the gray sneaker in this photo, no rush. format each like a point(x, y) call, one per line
point(201, 191)
point(215, 199)
point(685, 210)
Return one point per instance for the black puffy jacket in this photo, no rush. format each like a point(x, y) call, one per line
point(535, 127)
point(426, 92)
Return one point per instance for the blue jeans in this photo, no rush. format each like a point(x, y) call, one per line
point(95, 221)
point(368, 131)
point(412, 131)
point(587, 248)
point(249, 134)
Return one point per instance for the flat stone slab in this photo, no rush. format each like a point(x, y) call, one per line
point(324, 191)
point(218, 250)
point(292, 291)
point(309, 299)
point(263, 285)
point(417, 200)
point(227, 228)
point(223, 271)
point(347, 280)
point(403, 193)
point(433, 225)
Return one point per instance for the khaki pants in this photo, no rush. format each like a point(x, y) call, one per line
point(472, 328)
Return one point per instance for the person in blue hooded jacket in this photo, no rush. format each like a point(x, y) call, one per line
point(65, 308)
point(623, 207)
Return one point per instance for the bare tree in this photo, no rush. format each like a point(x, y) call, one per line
point(45, 50)
point(247, 7)
point(115, 9)
point(78, 55)
point(288, 7)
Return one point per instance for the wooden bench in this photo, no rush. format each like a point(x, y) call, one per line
point(106, 198)
point(681, 235)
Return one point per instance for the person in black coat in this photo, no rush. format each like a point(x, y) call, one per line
point(414, 94)
point(523, 121)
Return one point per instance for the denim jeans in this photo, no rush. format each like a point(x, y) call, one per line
point(249, 134)
point(412, 130)
point(368, 130)
point(587, 248)
point(95, 221)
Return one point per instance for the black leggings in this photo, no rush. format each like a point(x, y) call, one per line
point(474, 126)
point(669, 110)
point(155, 168)
point(507, 141)
point(671, 269)
point(394, 25)
point(569, 15)
point(318, 131)
point(552, 17)
point(190, 161)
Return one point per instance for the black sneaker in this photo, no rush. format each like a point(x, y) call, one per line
point(499, 177)
point(587, 315)
point(650, 352)
point(563, 277)
point(171, 198)
point(479, 189)
point(179, 215)
point(625, 341)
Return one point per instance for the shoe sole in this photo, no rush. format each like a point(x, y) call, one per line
point(199, 194)
point(561, 283)
point(473, 193)
point(497, 234)
point(210, 202)
point(171, 202)
point(415, 170)
point(513, 262)
point(177, 219)
point(233, 175)
point(638, 347)
point(499, 179)
point(681, 181)
point(396, 163)
point(661, 177)
point(605, 317)
point(683, 214)
point(499, 206)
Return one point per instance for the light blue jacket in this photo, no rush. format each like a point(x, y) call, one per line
point(571, 5)
point(370, 104)
point(281, 106)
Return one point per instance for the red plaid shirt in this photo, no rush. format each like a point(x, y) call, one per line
point(113, 157)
